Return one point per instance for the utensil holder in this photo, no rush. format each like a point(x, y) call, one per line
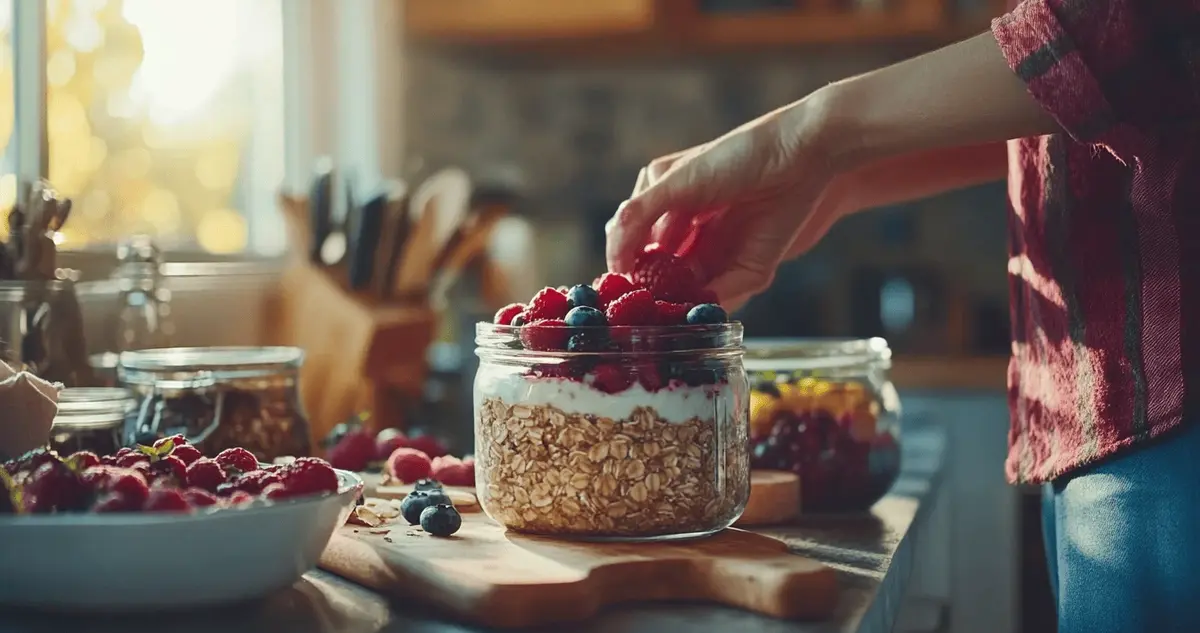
point(361, 354)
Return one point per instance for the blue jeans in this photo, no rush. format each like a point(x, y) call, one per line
point(1123, 540)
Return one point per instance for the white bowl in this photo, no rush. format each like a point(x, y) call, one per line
point(120, 562)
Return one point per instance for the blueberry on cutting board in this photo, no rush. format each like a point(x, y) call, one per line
point(441, 520)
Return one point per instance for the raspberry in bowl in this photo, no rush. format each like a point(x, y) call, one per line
point(607, 413)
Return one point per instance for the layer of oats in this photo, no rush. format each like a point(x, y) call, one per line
point(544, 471)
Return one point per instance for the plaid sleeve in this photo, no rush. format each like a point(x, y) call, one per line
point(1099, 65)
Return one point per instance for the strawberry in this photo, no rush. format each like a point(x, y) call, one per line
point(505, 315)
point(206, 474)
point(546, 335)
point(610, 378)
point(548, 303)
point(634, 308)
point(407, 465)
point(672, 313)
point(309, 476)
point(666, 276)
point(353, 452)
point(237, 459)
point(611, 286)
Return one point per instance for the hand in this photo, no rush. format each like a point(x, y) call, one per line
point(736, 206)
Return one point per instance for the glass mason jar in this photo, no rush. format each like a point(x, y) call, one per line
point(646, 440)
point(41, 329)
point(219, 398)
point(91, 419)
point(826, 410)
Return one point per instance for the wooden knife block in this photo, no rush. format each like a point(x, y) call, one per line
point(360, 354)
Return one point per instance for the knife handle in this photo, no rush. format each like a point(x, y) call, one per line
point(364, 242)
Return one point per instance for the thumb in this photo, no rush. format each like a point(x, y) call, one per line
point(683, 190)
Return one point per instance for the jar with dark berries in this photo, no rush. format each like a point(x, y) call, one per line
point(611, 432)
point(219, 398)
point(826, 410)
point(91, 419)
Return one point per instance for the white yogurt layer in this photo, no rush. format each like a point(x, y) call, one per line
point(677, 403)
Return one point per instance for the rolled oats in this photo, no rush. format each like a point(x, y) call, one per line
point(547, 471)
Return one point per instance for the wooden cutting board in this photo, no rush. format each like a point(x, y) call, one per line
point(492, 577)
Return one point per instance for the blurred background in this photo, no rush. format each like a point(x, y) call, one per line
point(195, 122)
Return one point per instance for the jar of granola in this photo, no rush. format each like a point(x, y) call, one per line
point(91, 419)
point(646, 440)
point(219, 398)
point(826, 410)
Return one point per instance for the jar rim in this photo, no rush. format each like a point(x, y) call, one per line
point(790, 354)
point(145, 366)
point(93, 407)
point(491, 338)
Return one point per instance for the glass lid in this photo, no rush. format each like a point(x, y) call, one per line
point(793, 354)
point(150, 365)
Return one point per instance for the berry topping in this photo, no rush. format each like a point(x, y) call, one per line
point(129, 460)
point(53, 487)
point(427, 484)
point(31, 460)
point(707, 314)
point(582, 296)
point(354, 452)
point(610, 378)
point(611, 286)
point(198, 498)
point(187, 453)
point(585, 316)
point(253, 482)
point(126, 482)
point(635, 308)
point(672, 313)
point(666, 276)
point(388, 441)
point(441, 520)
point(505, 315)
point(169, 470)
point(415, 502)
point(238, 460)
point(309, 476)
point(164, 499)
point(545, 336)
point(206, 474)
point(590, 341)
point(548, 303)
point(408, 465)
point(82, 461)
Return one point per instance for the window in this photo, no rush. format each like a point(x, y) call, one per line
point(163, 117)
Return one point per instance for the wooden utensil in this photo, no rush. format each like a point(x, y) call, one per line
point(492, 577)
point(774, 499)
point(437, 208)
point(470, 243)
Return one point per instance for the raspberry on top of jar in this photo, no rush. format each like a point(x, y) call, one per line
point(614, 409)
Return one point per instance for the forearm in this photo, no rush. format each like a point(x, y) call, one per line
point(961, 95)
point(911, 177)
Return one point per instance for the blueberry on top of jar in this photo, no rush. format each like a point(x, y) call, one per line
point(585, 316)
point(707, 314)
point(581, 296)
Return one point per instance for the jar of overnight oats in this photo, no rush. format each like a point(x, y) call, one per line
point(647, 440)
point(826, 410)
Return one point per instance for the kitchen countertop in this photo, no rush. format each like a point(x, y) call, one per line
point(873, 555)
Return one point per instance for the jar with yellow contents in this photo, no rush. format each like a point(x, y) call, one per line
point(826, 410)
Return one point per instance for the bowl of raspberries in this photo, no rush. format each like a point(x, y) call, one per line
point(171, 527)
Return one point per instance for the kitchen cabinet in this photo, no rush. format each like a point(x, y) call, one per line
point(633, 26)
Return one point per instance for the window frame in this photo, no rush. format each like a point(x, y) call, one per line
point(354, 46)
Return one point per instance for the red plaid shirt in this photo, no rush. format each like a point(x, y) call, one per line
point(1104, 267)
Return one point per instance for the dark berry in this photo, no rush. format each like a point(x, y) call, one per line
point(127, 483)
point(441, 520)
point(309, 476)
point(53, 487)
point(505, 315)
point(354, 452)
point(666, 276)
point(416, 501)
point(169, 470)
point(425, 485)
point(610, 378)
point(649, 376)
point(583, 296)
point(548, 303)
point(589, 341)
point(768, 388)
point(206, 474)
point(31, 460)
point(585, 316)
point(130, 460)
point(253, 482)
point(672, 313)
point(707, 314)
